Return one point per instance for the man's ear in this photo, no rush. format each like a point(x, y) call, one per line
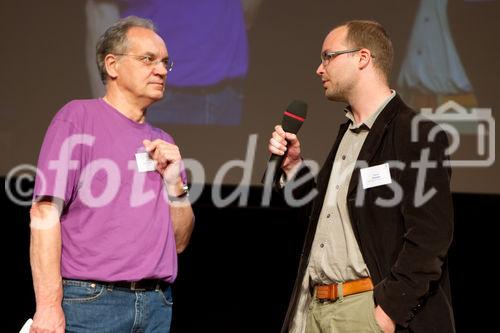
point(365, 57)
point(111, 64)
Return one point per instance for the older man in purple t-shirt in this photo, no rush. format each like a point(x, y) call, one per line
point(110, 209)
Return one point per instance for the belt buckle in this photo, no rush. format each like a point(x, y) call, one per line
point(332, 295)
point(133, 287)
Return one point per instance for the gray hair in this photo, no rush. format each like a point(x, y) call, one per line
point(114, 40)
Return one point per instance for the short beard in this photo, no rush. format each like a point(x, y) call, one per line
point(337, 95)
point(340, 94)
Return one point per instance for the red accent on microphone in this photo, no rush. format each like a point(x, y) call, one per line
point(289, 114)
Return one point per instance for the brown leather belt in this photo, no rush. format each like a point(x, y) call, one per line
point(330, 292)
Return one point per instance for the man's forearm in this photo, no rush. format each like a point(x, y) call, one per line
point(183, 223)
point(45, 255)
point(182, 216)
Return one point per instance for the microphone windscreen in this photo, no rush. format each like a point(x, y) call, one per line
point(298, 108)
point(294, 116)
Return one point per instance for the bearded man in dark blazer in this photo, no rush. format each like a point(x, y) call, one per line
point(374, 258)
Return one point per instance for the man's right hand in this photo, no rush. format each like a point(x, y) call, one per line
point(48, 319)
point(282, 143)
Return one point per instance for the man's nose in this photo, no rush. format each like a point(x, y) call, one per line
point(320, 70)
point(160, 69)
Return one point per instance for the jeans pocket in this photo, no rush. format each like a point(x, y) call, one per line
point(166, 296)
point(81, 292)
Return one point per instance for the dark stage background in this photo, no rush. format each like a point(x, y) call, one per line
point(237, 273)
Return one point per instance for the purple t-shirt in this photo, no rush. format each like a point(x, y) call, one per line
point(206, 39)
point(116, 221)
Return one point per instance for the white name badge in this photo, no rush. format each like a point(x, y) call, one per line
point(376, 175)
point(144, 162)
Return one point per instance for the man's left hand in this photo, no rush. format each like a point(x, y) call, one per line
point(167, 157)
point(384, 321)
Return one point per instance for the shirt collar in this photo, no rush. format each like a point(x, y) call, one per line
point(368, 123)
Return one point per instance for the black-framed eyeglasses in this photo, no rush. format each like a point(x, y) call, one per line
point(150, 60)
point(326, 56)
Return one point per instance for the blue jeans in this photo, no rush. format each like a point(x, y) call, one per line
point(224, 107)
point(91, 307)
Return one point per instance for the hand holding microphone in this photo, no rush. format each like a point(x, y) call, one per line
point(284, 145)
point(287, 145)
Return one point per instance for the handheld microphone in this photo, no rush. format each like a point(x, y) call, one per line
point(293, 118)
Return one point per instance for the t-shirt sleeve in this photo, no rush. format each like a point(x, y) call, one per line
point(59, 164)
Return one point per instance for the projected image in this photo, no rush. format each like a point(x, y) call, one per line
point(232, 79)
point(432, 72)
point(207, 41)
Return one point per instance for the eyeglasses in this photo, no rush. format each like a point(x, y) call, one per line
point(326, 56)
point(151, 61)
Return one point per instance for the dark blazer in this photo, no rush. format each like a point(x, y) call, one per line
point(404, 245)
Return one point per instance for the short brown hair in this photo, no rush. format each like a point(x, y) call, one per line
point(372, 36)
